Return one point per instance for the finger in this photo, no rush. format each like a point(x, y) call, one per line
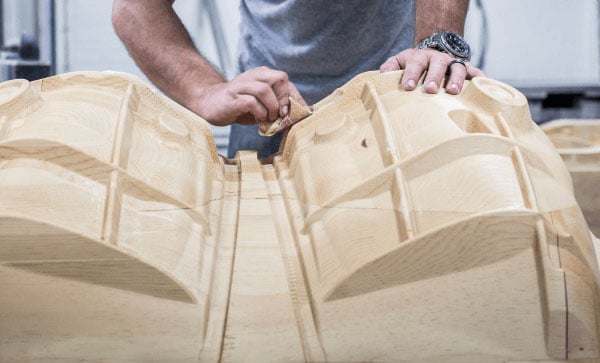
point(279, 82)
point(474, 72)
point(295, 94)
point(456, 79)
point(391, 64)
point(243, 104)
point(438, 63)
point(415, 63)
point(263, 93)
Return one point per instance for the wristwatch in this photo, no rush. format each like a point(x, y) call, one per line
point(447, 42)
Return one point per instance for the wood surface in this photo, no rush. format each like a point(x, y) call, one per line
point(578, 143)
point(392, 226)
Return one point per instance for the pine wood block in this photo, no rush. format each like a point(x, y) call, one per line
point(391, 226)
point(578, 143)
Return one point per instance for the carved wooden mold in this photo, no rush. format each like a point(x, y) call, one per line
point(391, 226)
point(578, 143)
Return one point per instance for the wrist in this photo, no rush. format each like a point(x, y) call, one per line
point(195, 97)
point(195, 90)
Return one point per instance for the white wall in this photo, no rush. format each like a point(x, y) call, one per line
point(87, 41)
point(539, 41)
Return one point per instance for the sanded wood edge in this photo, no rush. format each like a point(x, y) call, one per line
point(60, 252)
point(300, 290)
point(486, 236)
point(150, 100)
point(221, 273)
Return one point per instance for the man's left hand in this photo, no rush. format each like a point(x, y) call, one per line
point(415, 62)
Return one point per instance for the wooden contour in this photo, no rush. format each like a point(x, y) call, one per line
point(392, 226)
point(578, 143)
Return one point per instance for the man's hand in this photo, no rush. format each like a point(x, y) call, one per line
point(162, 48)
point(415, 62)
point(259, 95)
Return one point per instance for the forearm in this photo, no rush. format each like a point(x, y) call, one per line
point(432, 16)
point(162, 48)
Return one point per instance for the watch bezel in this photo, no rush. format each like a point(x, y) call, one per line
point(440, 42)
point(449, 42)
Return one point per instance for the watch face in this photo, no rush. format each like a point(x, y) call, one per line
point(456, 45)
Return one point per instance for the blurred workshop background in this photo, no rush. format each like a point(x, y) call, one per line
point(549, 49)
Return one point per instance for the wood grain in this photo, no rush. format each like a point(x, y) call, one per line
point(578, 143)
point(391, 226)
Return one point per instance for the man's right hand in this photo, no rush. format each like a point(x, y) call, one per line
point(162, 48)
point(259, 95)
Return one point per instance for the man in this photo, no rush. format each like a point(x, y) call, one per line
point(299, 48)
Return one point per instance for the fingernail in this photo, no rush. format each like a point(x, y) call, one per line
point(284, 110)
point(454, 87)
point(432, 86)
point(410, 84)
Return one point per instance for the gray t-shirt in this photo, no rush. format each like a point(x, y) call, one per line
point(322, 44)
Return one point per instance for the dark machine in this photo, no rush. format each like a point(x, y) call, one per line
point(27, 39)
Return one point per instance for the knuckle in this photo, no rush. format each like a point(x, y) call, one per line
point(281, 75)
point(410, 52)
point(440, 60)
point(244, 75)
point(419, 62)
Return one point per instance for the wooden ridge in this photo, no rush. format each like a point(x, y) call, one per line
point(391, 226)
